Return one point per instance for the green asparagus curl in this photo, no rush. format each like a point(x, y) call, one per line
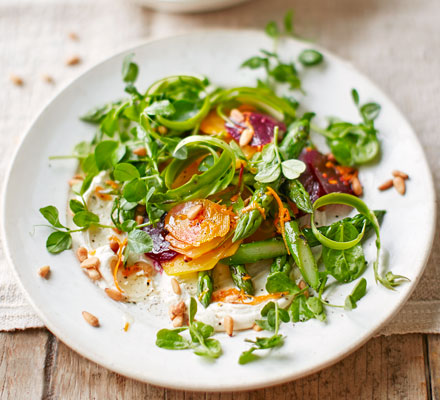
point(242, 279)
point(205, 287)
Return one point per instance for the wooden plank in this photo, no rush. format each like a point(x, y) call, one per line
point(22, 361)
point(433, 350)
point(385, 368)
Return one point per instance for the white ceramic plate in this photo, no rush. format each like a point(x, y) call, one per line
point(33, 182)
point(188, 6)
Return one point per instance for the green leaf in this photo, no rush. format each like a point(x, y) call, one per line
point(52, 216)
point(355, 96)
point(272, 30)
point(255, 62)
point(395, 280)
point(310, 57)
point(192, 310)
point(89, 165)
point(358, 292)
point(85, 219)
point(171, 340)
point(86, 183)
point(82, 149)
point(370, 111)
point(286, 73)
point(97, 114)
point(344, 265)
point(302, 309)
point(130, 69)
point(161, 107)
point(278, 282)
point(76, 206)
point(134, 191)
point(268, 173)
point(211, 348)
point(58, 242)
point(139, 242)
point(299, 195)
point(248, 356)
point(292, 169)
point(109, 124)
point(288, 22)
point(104, 154)
point(125, 172)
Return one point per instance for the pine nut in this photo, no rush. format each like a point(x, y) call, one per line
point(386, 185)
point(140, 151)
point(397, 173)
point(114, 245)
point(178, 321)
point(246, 137)
point(93, 274)
point(92, 262)
point(16, 80)
point(74, 60)
point(399, 184)
point(193, 211)
point(114, 294)
point(228, 323)
point(176, 287)
point(356, 186)
point(177, 310)
point(82, 254)
point(90, 319)
point(162, 130)
point(236, 115)
point(139, 219)
point(302, 285)
point(44, 271)
point(257, 328)
point(147, 268)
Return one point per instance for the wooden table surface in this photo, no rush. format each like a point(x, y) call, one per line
point(35, 365)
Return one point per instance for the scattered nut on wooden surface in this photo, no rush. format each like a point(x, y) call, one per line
point(44, 271)
point(73, 60)
point(90, 319)
point(386, 185)
point(228, 323)
point(16, 80)
point(176, 287)
point(91, 262)
point(399, 184)
point(82, 254)
point(114, 294)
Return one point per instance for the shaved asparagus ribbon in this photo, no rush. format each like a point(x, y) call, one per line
point(352, 201)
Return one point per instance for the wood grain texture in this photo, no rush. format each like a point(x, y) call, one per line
point(433, 355)
point(385, 368)
point(22, 364)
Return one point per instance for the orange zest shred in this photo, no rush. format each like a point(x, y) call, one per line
point(283, 215)
point(112, 184)
point(239, 297)
point(126, 326)
point(120, 253)
point(254, 206)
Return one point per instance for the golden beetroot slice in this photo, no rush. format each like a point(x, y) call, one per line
point(213, 124)
point(193, 251)
point(211, 221)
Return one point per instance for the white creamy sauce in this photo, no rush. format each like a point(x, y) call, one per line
point(154, 294)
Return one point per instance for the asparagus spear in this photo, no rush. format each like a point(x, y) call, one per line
point(241, 278)
point(281, 264)
point(250, 221)
point(204, 288)
point(296, 138)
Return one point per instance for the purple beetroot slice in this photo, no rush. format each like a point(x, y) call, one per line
point(320, 179)
point(161, 251)
point(263, 126)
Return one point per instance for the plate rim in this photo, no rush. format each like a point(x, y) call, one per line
point(192, 387)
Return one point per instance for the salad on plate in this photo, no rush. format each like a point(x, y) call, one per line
point(213, 208)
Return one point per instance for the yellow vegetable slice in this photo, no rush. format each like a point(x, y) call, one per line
point(178, 265)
